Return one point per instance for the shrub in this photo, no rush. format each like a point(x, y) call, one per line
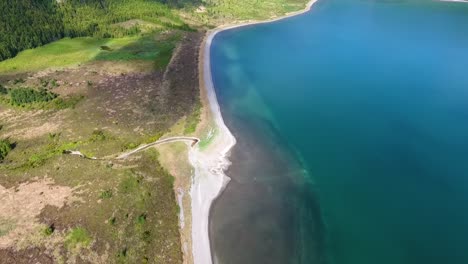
point(54, 83)
point(69, 102)
point(107, 194)
point(44, 82)
point(22, 96)
point(19, 80)
point(97, 135)
point(49, 230)
point(141, 219)
point(3, 90)
point(106, 48)
point(5, 147)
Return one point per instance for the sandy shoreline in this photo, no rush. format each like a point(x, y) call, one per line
point(210, 163)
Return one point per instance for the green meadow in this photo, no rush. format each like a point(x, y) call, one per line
point(74, 51)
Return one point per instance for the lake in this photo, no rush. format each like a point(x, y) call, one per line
point(352, 130)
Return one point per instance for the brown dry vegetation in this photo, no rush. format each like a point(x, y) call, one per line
point(121, 212)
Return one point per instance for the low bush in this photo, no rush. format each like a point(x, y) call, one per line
point(3, 90)
point(5, 147)
point(23, 96)
point(107, 194)
point(68, 102)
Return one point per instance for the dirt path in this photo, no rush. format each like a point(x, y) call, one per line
point(125, 155)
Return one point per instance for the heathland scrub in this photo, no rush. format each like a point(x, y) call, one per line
point(127, 206)
point(211, 161)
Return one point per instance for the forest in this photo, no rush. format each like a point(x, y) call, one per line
point(26, 24)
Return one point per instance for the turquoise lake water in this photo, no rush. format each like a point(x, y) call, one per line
point(352, 129)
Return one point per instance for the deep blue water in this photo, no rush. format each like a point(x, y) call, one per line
point(352, 128)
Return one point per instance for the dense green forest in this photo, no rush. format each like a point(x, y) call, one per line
point(27, 24)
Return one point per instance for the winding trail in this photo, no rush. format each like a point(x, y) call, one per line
point(125, 155)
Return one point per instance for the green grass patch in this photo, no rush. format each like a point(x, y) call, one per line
point(60, 53)
point(154, 138)
point(134, 48)
point(67, 52)
point(51, 150)
point(144, 48)
point(206, 141)
point(141, 219)
point(78, 237)
point(128, 184)
point(164, 55)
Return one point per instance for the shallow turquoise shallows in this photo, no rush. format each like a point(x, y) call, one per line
point(352, 128)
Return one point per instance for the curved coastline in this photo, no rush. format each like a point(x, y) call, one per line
point(209, 179)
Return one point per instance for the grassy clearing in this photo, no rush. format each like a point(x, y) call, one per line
point(69, 52)
point(60, 53)
point(144, 48)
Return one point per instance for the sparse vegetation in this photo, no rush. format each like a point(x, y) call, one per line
point(49, 230)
